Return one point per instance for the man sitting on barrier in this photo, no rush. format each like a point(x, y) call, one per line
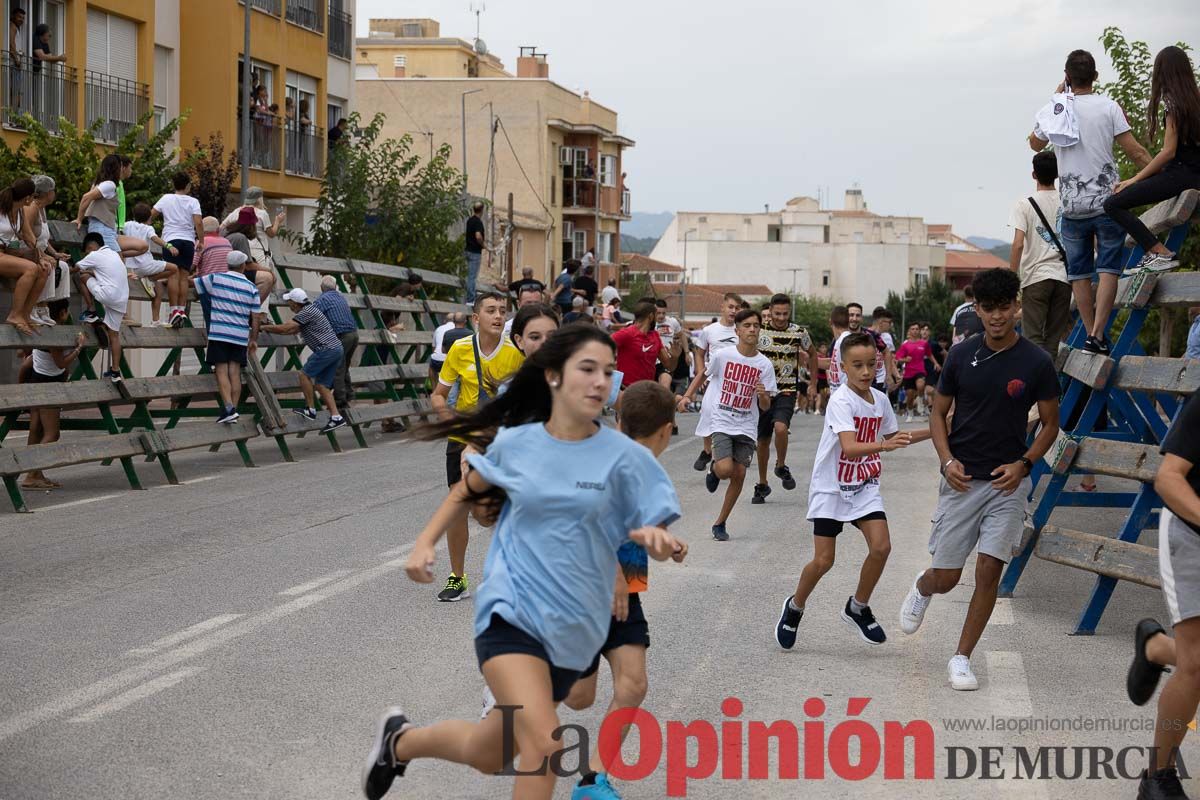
point(105, 287)
point(322, 365)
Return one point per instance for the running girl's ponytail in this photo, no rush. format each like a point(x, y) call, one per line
point(110, 169)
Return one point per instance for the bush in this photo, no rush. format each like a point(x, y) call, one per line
point(932, 303)
point(212, 174)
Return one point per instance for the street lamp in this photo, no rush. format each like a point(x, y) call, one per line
point(794, 270)
point(683, 285)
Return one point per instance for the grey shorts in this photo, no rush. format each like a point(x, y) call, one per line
point(1179, 567)
point(980, 516)
point(740, 448)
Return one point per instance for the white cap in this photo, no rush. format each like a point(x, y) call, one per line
point(236, 258)
point(296, 296)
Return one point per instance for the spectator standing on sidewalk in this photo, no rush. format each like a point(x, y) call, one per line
point(319, 370)
point(333, 305)
point(1040, 260)
point(475, 246)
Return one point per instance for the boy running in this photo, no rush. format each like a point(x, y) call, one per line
point(728, 414)
point(859, 425)
point(991, 381)
point(715, 337)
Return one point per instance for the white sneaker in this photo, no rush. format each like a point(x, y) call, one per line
point(912, 610)
point(489, 702)
point(41, 315)
point(158, 323)
point(1155, 262)
point(908, 417)
point(961, 677)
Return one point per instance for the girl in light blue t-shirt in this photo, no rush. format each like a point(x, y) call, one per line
point(572, 493)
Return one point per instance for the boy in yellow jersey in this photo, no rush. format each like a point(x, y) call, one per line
point(489, 353)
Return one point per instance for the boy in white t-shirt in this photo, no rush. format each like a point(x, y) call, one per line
point(839, 321)
point(146, 267)
point(183, 229)
point(105, 287)
point(714, 337)
point(859, 425)
point(739, 376)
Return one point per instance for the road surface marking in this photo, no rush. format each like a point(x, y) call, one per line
point(82, 502)
point(1007, 686)
point(135, 694)
point(183, 635)
point(305, 588)
point(1002, 614)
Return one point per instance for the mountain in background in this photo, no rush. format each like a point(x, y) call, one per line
point(645, 225)
point(637, 244)
point(986, 242)
point(1001, 251)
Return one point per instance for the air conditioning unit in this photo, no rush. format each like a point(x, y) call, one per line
point(565, 156)
point(568, 231)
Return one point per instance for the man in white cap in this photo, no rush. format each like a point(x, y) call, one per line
point(232, 329)
point(322, 365)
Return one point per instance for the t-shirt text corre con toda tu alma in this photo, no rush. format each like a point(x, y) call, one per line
point(731, 401)
point(845, 488)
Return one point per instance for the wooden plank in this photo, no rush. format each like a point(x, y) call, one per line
point(283, 381)
point(62, 454)
point(1177, 289)
point(380, 336)
point(259, 385)
point(1136, 290)
point(443, 307)
point(1169, 213)
point(204, 434)
point(403, 273)
point(1062, 454)
point(382, 302)
point(1153, 374)
point(14, 397)
point(65, 232)
point(171, 386)
point(1137, 462)
point(1060, 357)
point(1089, 368)
point(360, 415)
point(306, 263)
point(386, 372)
point(1102, 555)
point(279, 340)
point(147, 338)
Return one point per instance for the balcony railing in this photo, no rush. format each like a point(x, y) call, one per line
point(304, 147)
point(119, 103)
point(307, 14)
point(47, 94)
point(341, 34)
point(266, 142)
point(626, 203)
point(272, 7)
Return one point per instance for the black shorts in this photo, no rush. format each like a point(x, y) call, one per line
point(454, 462)
point(502, 638)
point(823, 526)
point(660, 370)
point(186, 251)
point(634, 630)
point(37, 377)
point(782, 408)
point(911, 383)
point(435, 366)
point(803, 387)
point(822, 384)
point(225, 353)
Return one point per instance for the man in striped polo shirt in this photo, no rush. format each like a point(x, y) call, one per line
point(322, 365)
point(232, 300)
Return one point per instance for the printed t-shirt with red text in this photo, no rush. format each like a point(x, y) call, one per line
point(835, 374)
point(730, 401)
point(637, 353)
point(844, 488)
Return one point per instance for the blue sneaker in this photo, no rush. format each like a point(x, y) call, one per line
point(719, 533)
point(711, 481)
point(789, 621)
point(600, 790)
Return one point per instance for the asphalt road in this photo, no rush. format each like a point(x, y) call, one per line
point(236, 637)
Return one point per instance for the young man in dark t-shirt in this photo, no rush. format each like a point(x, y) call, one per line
point(586, 283)
point(1178, 483)
point(526, 279)
point(990, 381)
point(474, 249)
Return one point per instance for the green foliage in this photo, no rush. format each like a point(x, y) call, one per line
point(639, 286)
point(634, 244)
point(154, 160)
point(932, 303)
point(380, 202)
point(813, 313)
point(212, 173)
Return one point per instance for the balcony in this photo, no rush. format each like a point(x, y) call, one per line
point(626, 204)
point(48, 94)
point(117, 102)
point(304, 150)
point(266, 142)
point(341, 34)
point(307, 14)
point(272, 7)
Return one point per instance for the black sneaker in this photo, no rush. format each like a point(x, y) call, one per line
point(1143, 675)
point(112, 375)
point(719, 533)
point(1105, 346)
point(784, 474)
point(382, 767)
point(333, 424)
point(674, 430)
point(702, 461)
point(711, 481)
point(1161, 785)
point(1093, 345)
point(307, 413)
point(785, 629)
point(456, 589)
point(761, 490)
point(228, 416)
point(864, 622)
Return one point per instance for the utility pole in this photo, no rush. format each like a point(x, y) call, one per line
point(464, 140)
point(510, 249)
point(683, 284)
point(246, 99)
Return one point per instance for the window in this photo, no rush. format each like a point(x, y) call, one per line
point(825, 278)
point(702, 219)
point(112, 92)
point(111, 45)
point(608, 170)
point(553, 188)
point(773, 233)
point(921, 280)
point(604, 248)
point(826, 234)
point(301, 87)
point(160, 118)
point(411, 30)
point(579, 244)
point(38, 12)
point(858, 237)
point(335, 109)
point(399, 63)
point(580, 155)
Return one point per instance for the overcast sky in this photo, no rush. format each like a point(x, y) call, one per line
point(924, 103)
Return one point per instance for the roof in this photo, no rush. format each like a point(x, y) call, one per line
point(967, 261)
point(859, 213)
point(938, 229)
point(704, 298)
point(641, 263)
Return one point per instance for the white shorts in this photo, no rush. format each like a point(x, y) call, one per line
point(114, 304)
point(148, 269)
point(1179, 567)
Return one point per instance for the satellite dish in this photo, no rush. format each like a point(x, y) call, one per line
point(481, 47)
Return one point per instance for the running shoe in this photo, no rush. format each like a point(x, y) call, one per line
point(177, 318)
point(864, 623)
point(333, 424)
point(600, 790)
point(1161, 785)
point(719, 533)
point(711, 481)
point(148, 285)
point(1143, 675)
point(702, 461)
point(456, 589)
point(158, 323)
point(1156, 262)
point(912, 610)
point(228, 416)
point(761, 490)
point(382, 767)
point(789, 621)
point(112, 375)
point(88, 318)
point(784, 474)
point(489, 702)
point(962, 679)
point(1097, 347)
point(307, 413)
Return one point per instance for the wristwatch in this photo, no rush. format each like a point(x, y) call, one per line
point(1028, 464)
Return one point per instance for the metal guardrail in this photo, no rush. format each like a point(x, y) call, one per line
point(119, 103)
point(45, 91)
point(341, 34)
point(304, 147)
point(272, 7)
point(307, 14)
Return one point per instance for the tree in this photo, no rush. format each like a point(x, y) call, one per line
point(813, 313)
point(212, 174)
point(380, 202)
point(933, 303)
point(154, 160)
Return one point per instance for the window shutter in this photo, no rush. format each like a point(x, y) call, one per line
point(97, 41)
point(122, 48)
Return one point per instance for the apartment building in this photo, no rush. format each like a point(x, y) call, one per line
point(846, 254)
point(558, 152)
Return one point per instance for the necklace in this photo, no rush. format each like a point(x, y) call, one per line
point(975, 362)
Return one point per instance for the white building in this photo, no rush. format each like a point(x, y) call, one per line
point(849, 254)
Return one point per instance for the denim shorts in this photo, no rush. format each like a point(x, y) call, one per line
point(110, 236)
point(322, 366)
point(1095, 244)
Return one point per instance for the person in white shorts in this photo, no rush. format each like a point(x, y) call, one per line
point(106, 284)
point(146, 267)
point(990, 381)
point(1178, 484)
